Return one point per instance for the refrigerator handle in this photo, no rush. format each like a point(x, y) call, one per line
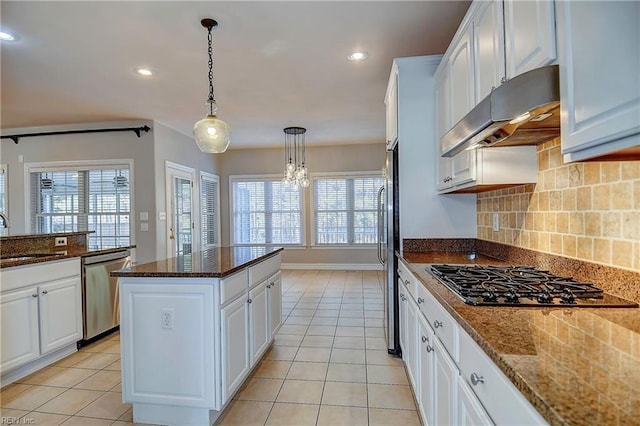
point(380, 224)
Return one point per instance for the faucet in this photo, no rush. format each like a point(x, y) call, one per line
point(5, 220)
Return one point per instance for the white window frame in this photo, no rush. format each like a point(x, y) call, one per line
point(57, 166)
point(213, 178)
point(312, 229)
point(271, 177)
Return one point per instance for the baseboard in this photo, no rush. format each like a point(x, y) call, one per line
point(335, 266)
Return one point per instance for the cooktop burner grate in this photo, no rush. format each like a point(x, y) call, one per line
point(521, 286)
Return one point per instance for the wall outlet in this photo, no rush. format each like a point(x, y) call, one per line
point(61, 241)
point(496, 222)
point(166, 319)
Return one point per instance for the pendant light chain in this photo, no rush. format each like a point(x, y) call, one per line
point(210, 51)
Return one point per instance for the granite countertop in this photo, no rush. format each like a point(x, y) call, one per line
point(37, 256)
point(575, 365)
point(212, 263)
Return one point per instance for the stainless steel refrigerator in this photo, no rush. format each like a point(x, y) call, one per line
point(388, 243)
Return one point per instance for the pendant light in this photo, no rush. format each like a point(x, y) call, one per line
point(295, 171)
point(211, 134)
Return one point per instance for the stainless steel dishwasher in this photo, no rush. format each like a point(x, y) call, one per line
point(100, 305)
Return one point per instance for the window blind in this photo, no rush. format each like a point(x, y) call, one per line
point(83, 200)
point(345, 210)
point(209, 196)
point(266, 211)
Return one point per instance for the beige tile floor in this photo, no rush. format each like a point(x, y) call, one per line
point(328, 366)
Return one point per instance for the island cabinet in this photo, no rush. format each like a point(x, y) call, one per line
point(41, 315)
point(191, 332)
point(454, 381)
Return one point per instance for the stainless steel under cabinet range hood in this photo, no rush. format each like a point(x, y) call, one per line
point(522, 111)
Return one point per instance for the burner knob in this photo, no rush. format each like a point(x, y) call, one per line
point(567, 297)
point(545, 297)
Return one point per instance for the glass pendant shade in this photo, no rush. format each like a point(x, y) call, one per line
point(295, 172)
point(212, 134)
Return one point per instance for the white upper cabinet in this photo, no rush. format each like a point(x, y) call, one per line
point(488, 47)
point(530, 35)
point(461, 71)
point(443, 123)
point(599, 85)
point(391, 105)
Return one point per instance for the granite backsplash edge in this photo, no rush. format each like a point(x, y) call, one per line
point(619, 282)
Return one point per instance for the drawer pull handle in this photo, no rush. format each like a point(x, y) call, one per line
point(475, 379)
point(437, 324)
point(45, 292)
point(34, 295)
point(406, 282)
point(420, 300)
point(249, 301)
point(429, 348)
point(424, 339)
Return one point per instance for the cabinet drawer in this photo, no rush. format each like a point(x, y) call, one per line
point(263, 270)
point(444, 326)
point(502, 400)
point(407, 280)
point(33, 274)
point(232, 286)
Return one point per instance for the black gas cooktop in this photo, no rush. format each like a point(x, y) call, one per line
point(521, 286)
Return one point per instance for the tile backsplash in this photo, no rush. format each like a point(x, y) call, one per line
point(588, 211)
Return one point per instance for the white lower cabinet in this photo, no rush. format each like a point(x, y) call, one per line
point(470, 411)
point(235, 345)
point(454, 381)
point(259, 320)
point(41, 315)
point(274, 295)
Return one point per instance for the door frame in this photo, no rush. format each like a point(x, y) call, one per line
point(179, 170)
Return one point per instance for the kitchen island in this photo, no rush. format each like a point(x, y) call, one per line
point(193, 327)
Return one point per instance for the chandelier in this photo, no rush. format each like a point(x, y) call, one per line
point(295, 171)
point(211, 134)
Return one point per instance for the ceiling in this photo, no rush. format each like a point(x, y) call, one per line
point(276, 64)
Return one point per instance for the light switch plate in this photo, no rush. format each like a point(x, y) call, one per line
point(61, 241)
point(496, 222)
point(144, 226)
point(144, 215)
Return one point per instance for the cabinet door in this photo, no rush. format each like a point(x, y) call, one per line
point(461, 77)
point(445, 386)
point(599, 84)
point(426, 358)
point(412, 345)
point(275, 303)
point(391, 105)
point(260, 327)
point(463, 167)
point(470, 410)
point(235, 346)
point(60, 313)
point(488, 47)
point(402, 315)
point(530, 35)
point(443, 125)
point(19, 316)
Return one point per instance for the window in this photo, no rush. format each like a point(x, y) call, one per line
point(209, 219)
point(265, 211)
point(97, 199)
point(345, 209)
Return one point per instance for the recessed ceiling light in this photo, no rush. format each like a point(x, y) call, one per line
point(358, 56)
point(5, 36)
point(145, 72)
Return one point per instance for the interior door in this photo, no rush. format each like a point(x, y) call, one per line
point(180, 208)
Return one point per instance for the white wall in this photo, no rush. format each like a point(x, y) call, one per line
point(423, 212)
